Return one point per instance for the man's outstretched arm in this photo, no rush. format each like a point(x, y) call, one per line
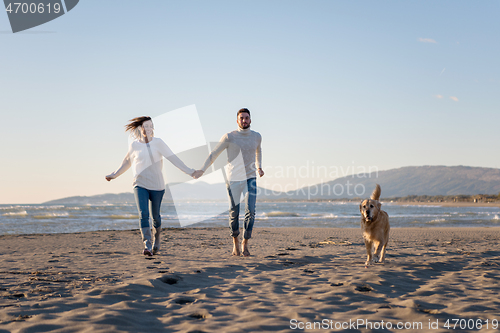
point(223, 144)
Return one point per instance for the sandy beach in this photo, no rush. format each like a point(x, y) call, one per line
point(296, 279)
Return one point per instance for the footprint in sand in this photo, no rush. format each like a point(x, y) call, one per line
point(169, 279)
point(364, 288)
point(199, 315)
point(184, 300)
point(22, 318)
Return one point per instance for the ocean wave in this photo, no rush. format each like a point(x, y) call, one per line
point(31, 207)
point(496, 218)
point(278, 213)
point(490, 213)
point(343, 203)
point(423, 206)
point(55, 207)
point(79, 208)
point(51, 215)
point(420, 215)
point(436, 221)
point(325, 216)
point(12, 214)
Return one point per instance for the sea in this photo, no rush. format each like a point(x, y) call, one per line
point(39, 219)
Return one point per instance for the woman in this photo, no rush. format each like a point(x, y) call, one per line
point(145, 156)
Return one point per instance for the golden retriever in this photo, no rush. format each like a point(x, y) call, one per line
point(375, 226)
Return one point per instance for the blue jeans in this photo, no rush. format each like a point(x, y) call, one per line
point(143, 198)
point(234, 190)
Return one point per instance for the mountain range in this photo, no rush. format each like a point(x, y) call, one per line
point(401, 182)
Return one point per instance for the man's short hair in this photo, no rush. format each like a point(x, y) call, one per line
point(244, 110)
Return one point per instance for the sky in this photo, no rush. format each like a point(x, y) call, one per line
point(343, 86)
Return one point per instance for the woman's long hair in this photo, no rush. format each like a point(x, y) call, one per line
point(134, 127)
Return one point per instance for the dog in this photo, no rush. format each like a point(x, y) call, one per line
point(375, 226)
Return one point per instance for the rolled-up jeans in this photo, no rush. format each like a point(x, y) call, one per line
point(145, 199)
point(234, 190)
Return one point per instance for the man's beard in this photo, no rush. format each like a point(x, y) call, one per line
point(245, 127)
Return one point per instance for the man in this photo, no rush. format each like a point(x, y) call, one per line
point(244, 161)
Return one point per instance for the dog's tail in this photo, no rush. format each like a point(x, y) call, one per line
point(376, 193)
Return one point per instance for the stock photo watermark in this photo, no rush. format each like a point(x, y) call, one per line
point(311, 170)
point(365, 324)
point(298, 179)
point(321, 190)
point(27, 14)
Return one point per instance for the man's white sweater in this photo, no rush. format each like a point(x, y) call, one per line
point(244, 154)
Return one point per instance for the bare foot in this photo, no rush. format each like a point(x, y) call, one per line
point(236, 247)
point(244, 248)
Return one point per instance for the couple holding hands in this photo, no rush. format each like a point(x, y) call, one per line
point(145, 156)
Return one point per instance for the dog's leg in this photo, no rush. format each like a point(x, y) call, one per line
point(382, 255)
point(369, 248)
point(380, 252)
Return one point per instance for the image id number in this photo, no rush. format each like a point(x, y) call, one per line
point(33, 8)
point(470, 324)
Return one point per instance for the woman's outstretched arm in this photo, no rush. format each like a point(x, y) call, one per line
point(169, 155)
point(124, 167)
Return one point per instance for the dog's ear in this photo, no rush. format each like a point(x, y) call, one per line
point(361, 206)
point(379, 204)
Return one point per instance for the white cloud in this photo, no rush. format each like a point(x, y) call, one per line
point(454, 98)
point(427, 40)
point(439, 96)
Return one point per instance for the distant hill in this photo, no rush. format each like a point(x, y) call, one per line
point(109, 198)
point(422, 180)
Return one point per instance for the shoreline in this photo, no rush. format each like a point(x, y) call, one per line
point(284, 228)
point(99, 281)
point(445, 204)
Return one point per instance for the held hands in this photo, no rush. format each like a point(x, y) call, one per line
point(197, 174)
